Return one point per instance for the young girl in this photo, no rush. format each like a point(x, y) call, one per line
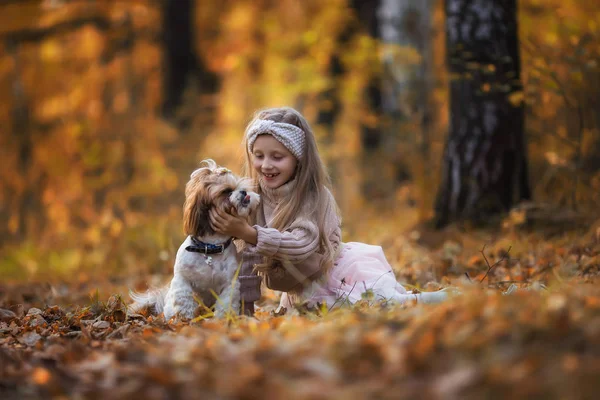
point(294, 241)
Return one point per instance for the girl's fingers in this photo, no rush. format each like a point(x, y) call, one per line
point(214, 221)
point(220, 221)
point(216, 214)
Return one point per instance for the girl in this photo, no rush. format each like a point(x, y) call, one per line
point(294, 240)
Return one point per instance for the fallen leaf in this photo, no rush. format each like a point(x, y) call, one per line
point(40, 376)
point(29, 338)
point(7, 315)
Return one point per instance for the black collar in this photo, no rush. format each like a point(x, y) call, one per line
point(207, 248)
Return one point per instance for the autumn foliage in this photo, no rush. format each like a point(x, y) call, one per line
point(91, 190)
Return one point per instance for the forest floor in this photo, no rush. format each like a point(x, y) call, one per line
point(526, 325)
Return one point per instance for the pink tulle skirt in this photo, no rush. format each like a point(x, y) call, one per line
point(361, 271)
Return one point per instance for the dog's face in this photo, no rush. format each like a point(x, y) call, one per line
point(213, 186)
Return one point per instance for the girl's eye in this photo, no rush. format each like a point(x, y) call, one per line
point(258, 156)
point(277, 158)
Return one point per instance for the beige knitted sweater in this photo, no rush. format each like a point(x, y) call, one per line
point(293, 256)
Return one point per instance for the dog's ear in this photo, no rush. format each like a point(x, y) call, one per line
point(196, 221)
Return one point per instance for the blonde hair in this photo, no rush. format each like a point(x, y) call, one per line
point(312, 196)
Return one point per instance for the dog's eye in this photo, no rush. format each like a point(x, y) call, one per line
point(227, 192)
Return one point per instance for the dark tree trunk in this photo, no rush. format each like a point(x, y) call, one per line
point(485, 164)
point(329, 100)
point(181, 61)
point(371, 136)
point(29, 220)
point(179, 53)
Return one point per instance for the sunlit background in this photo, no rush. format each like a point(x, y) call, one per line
point(107, 106)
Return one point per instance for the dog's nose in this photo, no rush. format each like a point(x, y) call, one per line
point(243, 193)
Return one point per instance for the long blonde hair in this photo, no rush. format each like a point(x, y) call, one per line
point(312, 195)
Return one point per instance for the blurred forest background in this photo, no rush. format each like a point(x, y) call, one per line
point(106, 106)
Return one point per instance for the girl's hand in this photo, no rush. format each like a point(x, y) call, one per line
point(232, 225)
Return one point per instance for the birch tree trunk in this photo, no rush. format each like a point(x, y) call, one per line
point(407, 34)
point(397, 97)
point(485, 166)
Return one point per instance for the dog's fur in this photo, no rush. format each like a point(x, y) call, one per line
point(198, 276)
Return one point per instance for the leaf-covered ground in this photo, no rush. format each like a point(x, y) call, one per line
point(527, 325)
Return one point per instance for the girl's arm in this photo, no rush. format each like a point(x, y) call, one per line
point(296, 255)
point(294, 245)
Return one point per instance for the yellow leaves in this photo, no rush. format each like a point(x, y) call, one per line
point(147, 57)
point(51, 51)
point(554, 159)
point(59, 214)
point(399, 56)
point(310, 37)
point(121, 102)
point(516, 98)
point(576, 76)
point(551, 38)
point(241, 17)
point(18, 16)
point(52, 108)
point(116, 228)
point(13, 223)
point(91, 44)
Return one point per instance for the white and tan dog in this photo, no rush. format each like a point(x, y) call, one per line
point(206, 262)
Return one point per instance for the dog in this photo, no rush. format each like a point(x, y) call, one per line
point(206, 262)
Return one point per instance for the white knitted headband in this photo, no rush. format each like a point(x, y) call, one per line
point(289, 135)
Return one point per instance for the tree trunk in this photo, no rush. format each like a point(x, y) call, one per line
point(485, 166)
point(405, 26)
point(181, 60)
point(179, 53)
point(371, 136)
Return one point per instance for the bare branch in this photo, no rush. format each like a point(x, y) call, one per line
point(490, 267)
point(36, 35)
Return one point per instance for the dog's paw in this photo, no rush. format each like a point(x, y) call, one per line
point(186, 314)
point(221, 314)
point(180, 312)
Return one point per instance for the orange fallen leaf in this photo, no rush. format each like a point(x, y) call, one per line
point(570, 362)
point(592, 301)
point(147, 332)
point(474, 261)
point(41, 376)
point(424, 345)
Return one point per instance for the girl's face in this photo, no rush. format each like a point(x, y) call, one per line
point(272, 161)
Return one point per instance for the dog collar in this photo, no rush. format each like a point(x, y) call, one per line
point(207, 248)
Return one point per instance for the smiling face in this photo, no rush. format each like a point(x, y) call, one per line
point(272, 161)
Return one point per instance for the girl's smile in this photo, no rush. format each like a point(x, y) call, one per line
point(273, 162)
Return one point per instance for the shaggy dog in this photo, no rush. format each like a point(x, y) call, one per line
point(207, 262)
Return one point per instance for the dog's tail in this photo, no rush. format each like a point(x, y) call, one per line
point(152, 300)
